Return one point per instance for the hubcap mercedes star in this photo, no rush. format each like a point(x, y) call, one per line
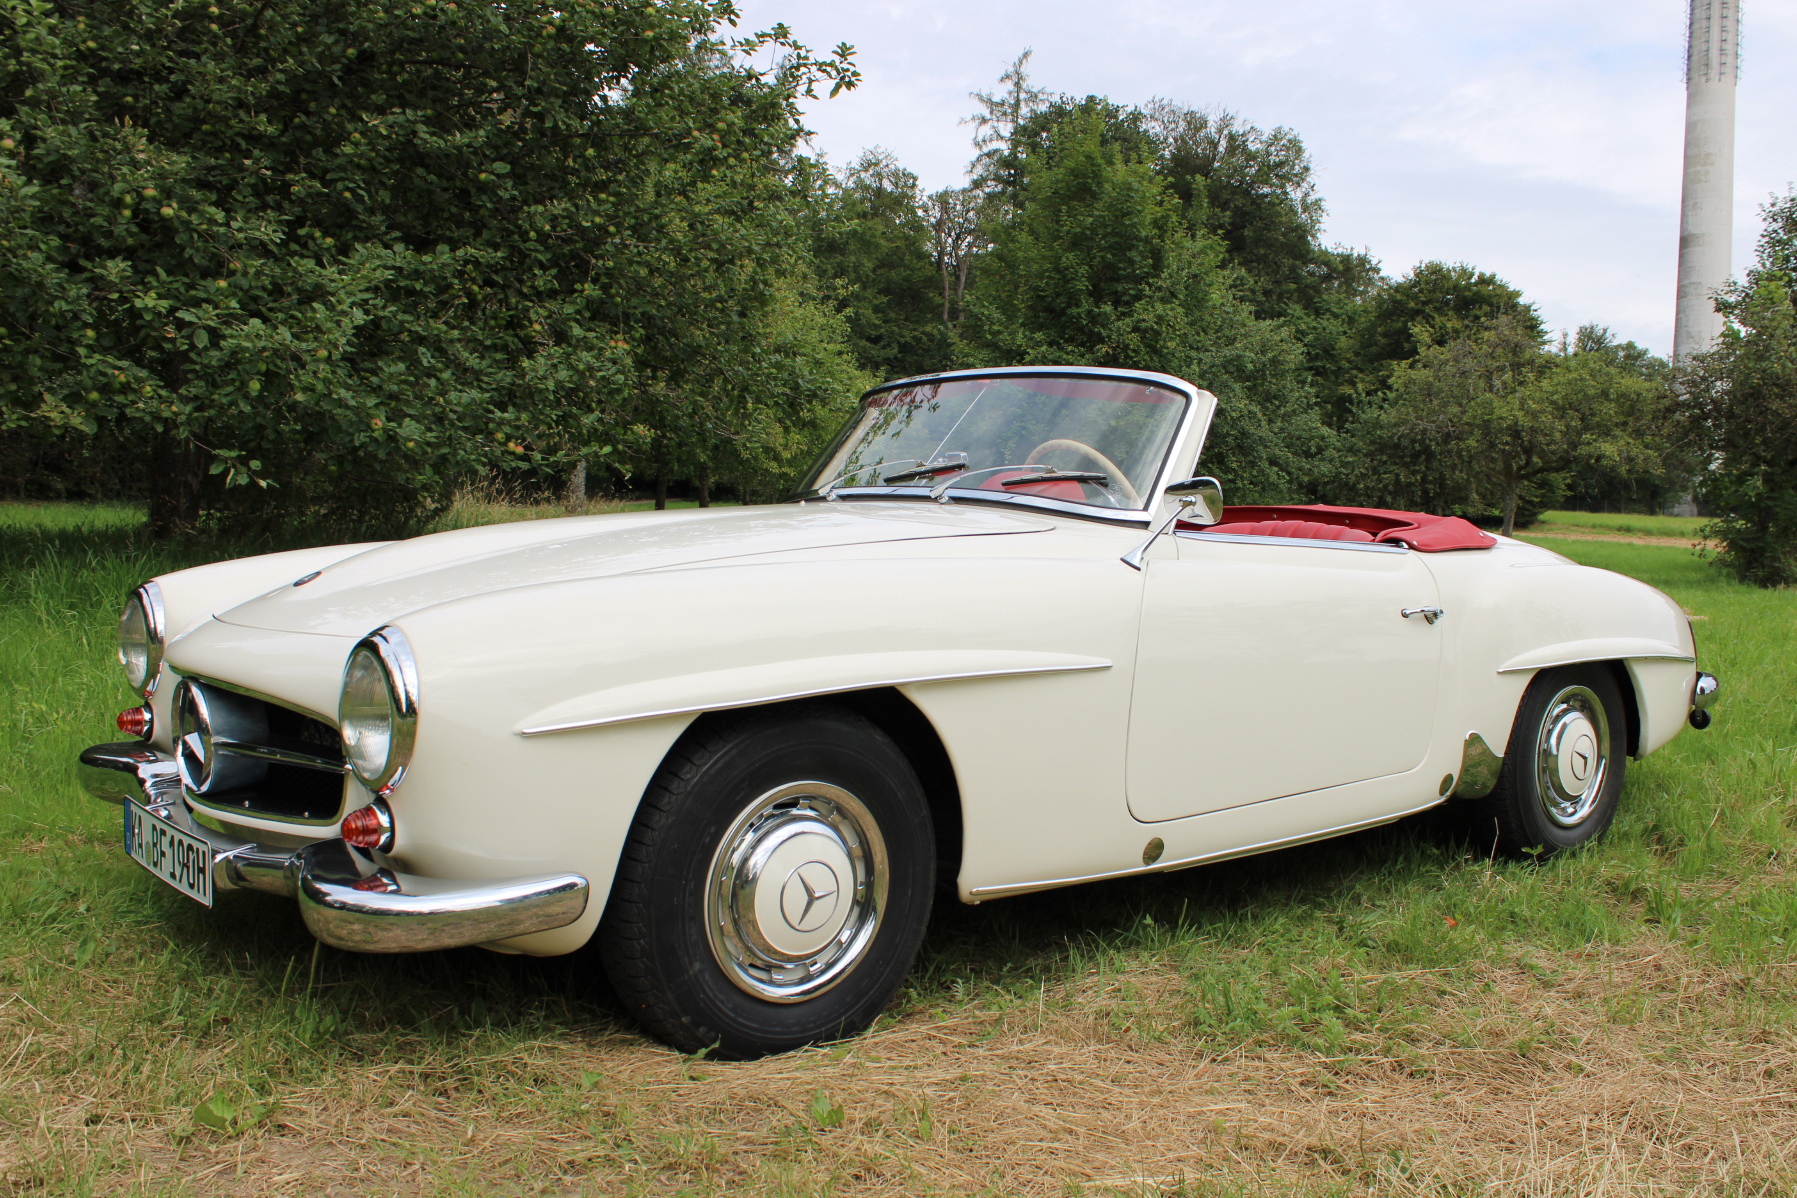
point(796, 891)
point(1572, 755)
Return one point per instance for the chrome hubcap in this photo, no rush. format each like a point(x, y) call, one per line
point(796, 891)
point(1572, 755)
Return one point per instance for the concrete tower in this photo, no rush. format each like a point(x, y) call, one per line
point(1706, 217)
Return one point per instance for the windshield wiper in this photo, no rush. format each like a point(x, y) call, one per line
point(824, 490)
point(1051, 475)
point(954, 463)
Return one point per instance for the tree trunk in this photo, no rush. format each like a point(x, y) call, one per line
point(705, 486)
point(1511, 491)
point(576, 496)
point(176, 469)
point(661, 490)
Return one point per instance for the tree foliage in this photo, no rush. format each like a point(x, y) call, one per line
point(1741, 397)
point(350, 253)
point(1473, 422)
point(1098, 267)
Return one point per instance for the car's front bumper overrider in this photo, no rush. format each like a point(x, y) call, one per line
point(348, 900)
point(1703, 697)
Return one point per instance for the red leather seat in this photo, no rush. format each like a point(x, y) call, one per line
point(1307, 529)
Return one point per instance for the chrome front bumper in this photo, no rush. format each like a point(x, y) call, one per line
point(347, 899)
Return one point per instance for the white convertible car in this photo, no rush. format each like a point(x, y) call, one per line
point(1003, 641)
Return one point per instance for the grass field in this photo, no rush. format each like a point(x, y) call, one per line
point(1683, 528)
point(1378, 1014)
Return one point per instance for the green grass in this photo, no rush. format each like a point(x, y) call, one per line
point(1617, 524)
point(1395, 962)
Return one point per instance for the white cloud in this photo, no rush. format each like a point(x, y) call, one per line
point(1534, 139)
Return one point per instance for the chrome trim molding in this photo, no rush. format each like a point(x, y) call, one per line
point(284, 756)
point(1583, 659)
point(1269, 846)
point(1237, 538)
point(1703, 691)
point(789, 696)
point(149, 598)
point(1135, 519)
point(389, 912)
point(1479, 769)
point(400, 668)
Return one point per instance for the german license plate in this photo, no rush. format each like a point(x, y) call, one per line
point(182, 860)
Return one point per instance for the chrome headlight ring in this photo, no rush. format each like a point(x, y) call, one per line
point(143, 630)
point(377, 709)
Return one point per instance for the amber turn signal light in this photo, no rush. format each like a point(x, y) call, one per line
point(136, 721)
point(369, 827)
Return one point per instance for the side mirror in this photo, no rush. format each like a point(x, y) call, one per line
point(1209, 494)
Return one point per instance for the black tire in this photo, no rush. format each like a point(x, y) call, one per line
point(1527, 813)
point(693, 957)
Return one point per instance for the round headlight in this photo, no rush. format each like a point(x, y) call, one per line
point(377, 710)
point(140, 638)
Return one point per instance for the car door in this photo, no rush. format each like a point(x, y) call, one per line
point(1271, 666)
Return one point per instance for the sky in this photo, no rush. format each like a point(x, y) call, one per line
point(1538, 141)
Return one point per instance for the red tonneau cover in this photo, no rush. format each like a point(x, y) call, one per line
point(1426, 534)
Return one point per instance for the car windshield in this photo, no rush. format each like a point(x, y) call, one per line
point(1078, 439)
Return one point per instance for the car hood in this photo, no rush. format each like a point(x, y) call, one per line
point(359, 594)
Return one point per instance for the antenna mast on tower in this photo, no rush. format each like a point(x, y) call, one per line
point(1706, 216)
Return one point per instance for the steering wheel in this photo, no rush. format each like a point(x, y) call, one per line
point(1092, 455)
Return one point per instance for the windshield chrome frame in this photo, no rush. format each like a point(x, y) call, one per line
point(1176, 451)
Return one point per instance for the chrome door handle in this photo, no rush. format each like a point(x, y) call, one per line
point(1429, 614)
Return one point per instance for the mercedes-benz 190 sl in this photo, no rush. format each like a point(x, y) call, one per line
point(1003, 640)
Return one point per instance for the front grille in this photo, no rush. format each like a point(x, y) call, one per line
point(267, 760)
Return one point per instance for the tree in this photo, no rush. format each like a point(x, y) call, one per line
point(1473, 422)
point(350, 254)
point(1741, 398)
point(995, 125)
point(1099, 268)
point(875, 239)
point(1435, 303)
point(957, 238)
point(1253, 189)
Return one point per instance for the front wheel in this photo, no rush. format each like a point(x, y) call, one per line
point(775, 886)
point(1564, 766)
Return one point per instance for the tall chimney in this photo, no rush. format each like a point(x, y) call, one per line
point(1706, 217)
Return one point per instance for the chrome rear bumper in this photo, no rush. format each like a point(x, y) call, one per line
point(347, 899)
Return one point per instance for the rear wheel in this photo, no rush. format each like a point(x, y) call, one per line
point(1564, 766)
point(775, 886)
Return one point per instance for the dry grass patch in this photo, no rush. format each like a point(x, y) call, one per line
point(1614, 1072)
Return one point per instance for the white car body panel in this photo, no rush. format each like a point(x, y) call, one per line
point(1234, 696)
point(1251, 686)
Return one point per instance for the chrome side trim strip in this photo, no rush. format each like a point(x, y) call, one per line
point(1236, 538)
point(762, 700)
point(1584, 659)
point(1161, 867)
